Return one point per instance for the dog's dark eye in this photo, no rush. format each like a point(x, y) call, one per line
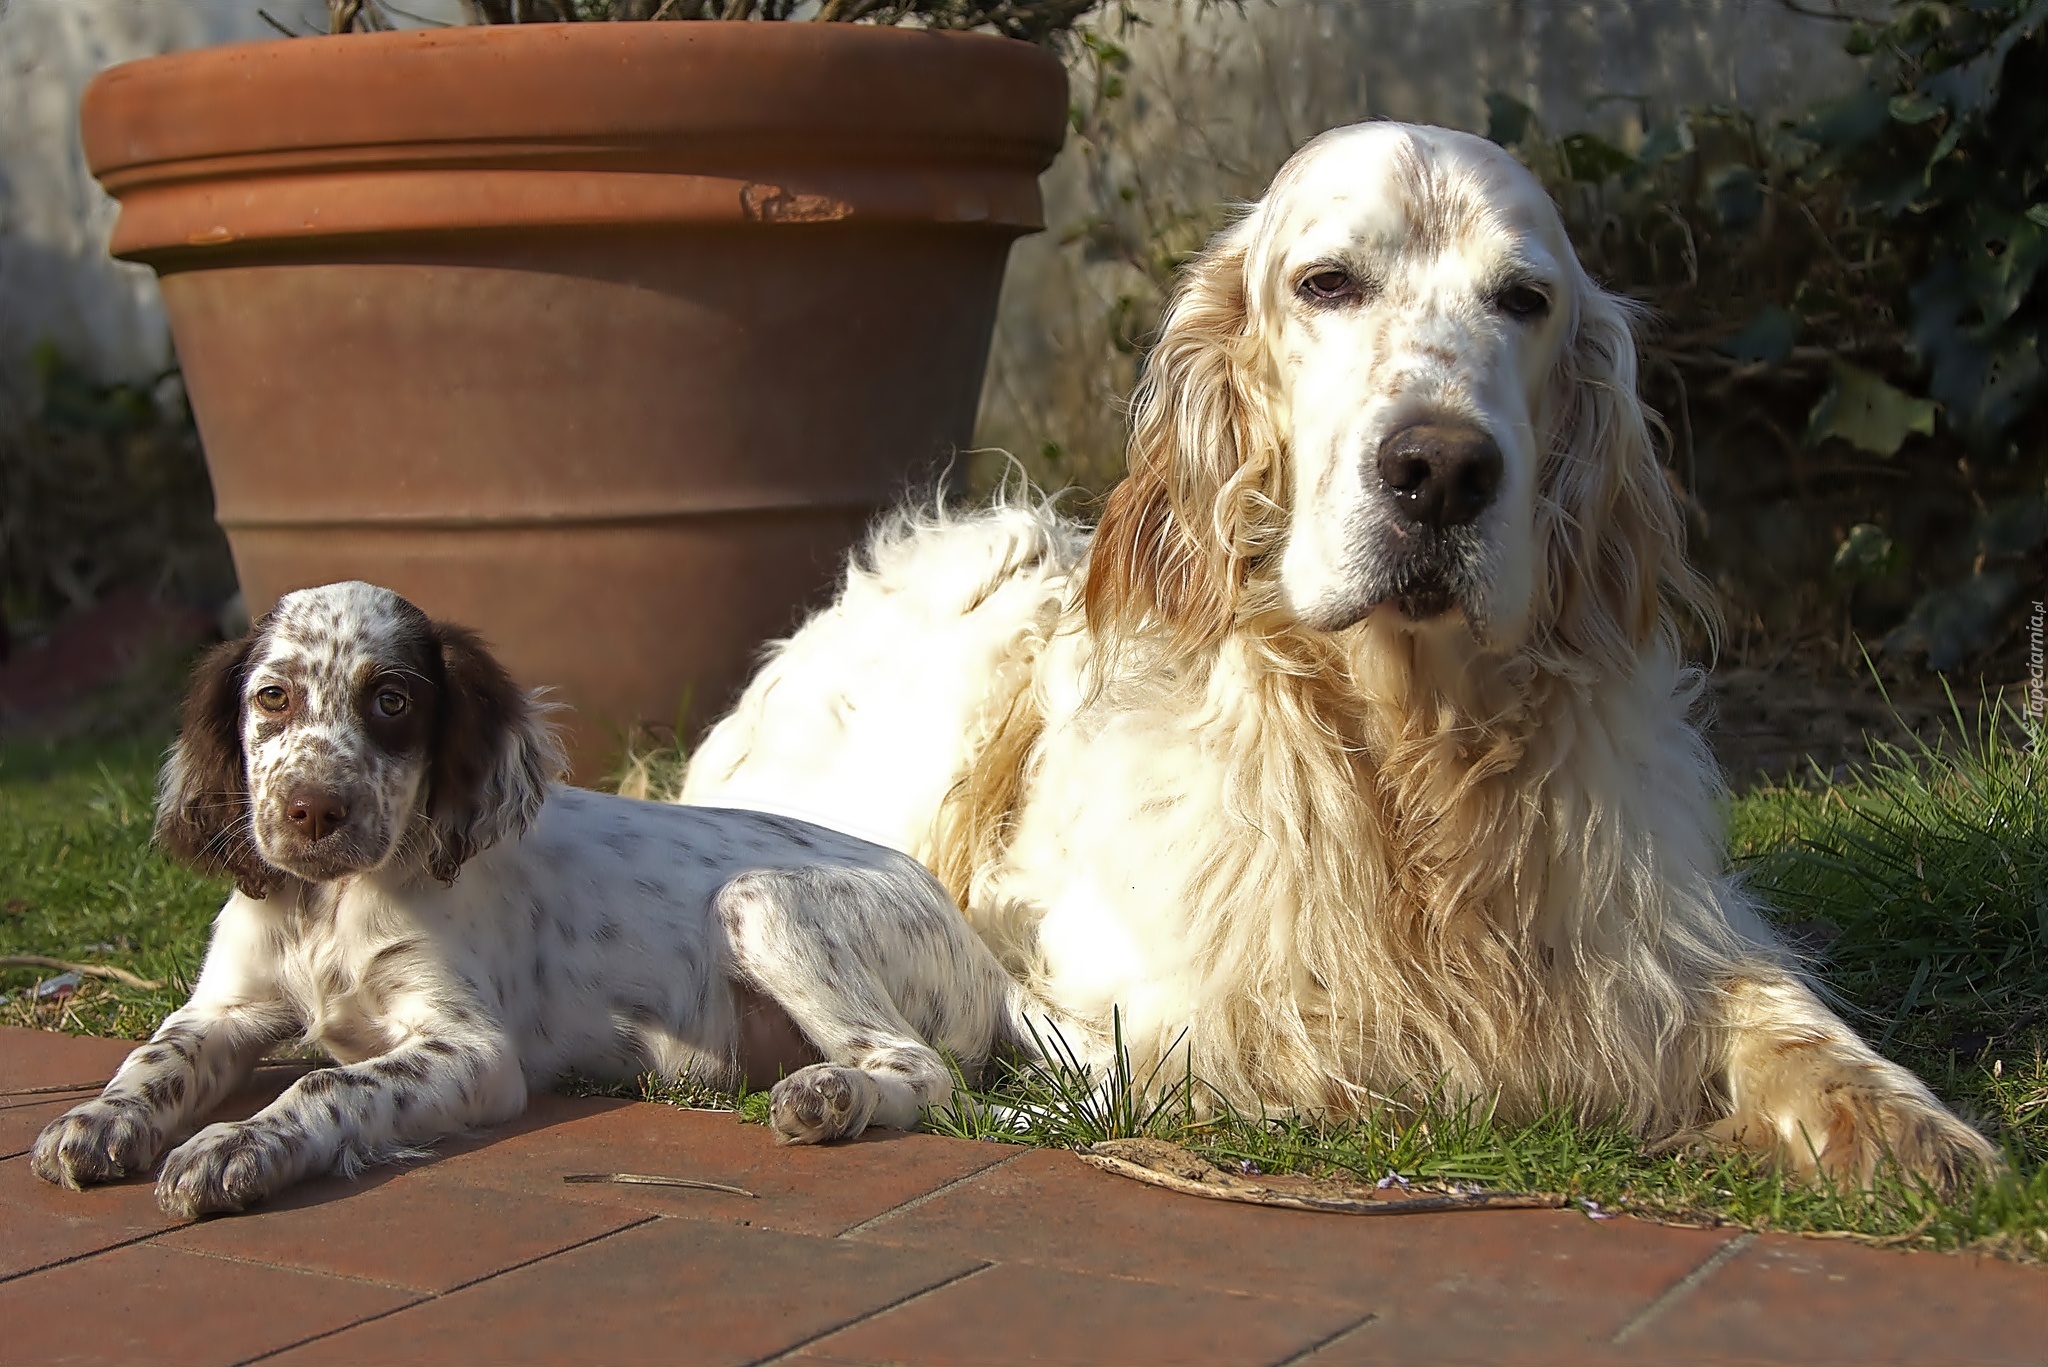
point(272, 699)
point(1329, 285)
point(392, 703)
point(1522, 302)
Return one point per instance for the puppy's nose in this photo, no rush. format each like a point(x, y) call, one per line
point(1440, 474)
point(314, 812)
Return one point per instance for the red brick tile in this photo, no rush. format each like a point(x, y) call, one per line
point(50, 1224)
point(811, 1189)
point(22, 1117)
point(1436, 1282)
point(47, 1224)
point(1805, 1300)
point(667, 1291)
point(1019, 1314)
point(22, 1121)
point(45, 1058)
point(148, 1304)
point(391, 1227)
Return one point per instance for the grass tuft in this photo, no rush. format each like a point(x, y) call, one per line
point(1057, 1101)
point(1918, 886)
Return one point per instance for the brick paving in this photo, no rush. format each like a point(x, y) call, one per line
point(903, 1249)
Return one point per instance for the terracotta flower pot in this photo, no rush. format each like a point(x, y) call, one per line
point(606, 339)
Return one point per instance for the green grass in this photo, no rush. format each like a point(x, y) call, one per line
point(79, 882)
point(1919, 885)
point(1442, 1145)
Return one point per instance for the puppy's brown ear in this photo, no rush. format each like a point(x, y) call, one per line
point(202, 808)
point(1167, 548)
point(494, 755)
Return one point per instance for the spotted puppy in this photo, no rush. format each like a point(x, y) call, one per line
point(417, 896)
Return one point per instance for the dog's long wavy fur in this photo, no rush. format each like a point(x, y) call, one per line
point(1446, 806)
point(1415, 877)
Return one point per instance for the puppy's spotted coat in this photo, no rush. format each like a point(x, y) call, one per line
point(416, 896)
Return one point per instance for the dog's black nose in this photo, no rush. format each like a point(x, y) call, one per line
point(1440, 474)
point(314, 812)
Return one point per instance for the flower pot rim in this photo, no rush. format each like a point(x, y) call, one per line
point(573, 81)
point(570, 125)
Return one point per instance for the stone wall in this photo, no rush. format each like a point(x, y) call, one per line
point(56, 282)
point(1218, 95)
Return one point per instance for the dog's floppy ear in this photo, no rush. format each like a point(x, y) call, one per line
point(1167, 548)
point(202, 809)
point(1612, 537)
point(493, 756)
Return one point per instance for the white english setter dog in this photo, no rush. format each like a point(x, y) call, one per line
point(418, 897)
point(1354, 745)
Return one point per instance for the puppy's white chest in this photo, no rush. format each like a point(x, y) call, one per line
point(344, 1010)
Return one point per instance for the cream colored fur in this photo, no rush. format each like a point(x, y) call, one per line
point(1200, 770)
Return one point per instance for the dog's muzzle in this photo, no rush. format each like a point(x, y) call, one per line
point(1439, 477)
point(318, 832)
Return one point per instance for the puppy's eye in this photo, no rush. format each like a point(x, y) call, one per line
point(272, 698)
point(1524, 303)
point(392, 703)
point(1329, 285)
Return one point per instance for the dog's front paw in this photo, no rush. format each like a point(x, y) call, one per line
point(225, 1168)
point(1919, 1138)
point(1847, 1119)
point(823, 1102)
point(105, 1139)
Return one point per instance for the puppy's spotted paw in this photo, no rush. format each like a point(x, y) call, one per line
point(823, 1102)
point(105, 1139)
point(224, 1168)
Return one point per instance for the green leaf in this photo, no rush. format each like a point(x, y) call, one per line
point(1666, 141)
point(1737, 194)
point(1508, 120)
point(1868, 552)
point(1868, 413)
point(1913, 107)
point(1858, 118)
point(1972, 88)
point(1985, 383)
point(1954, 623)
point(2038, 214)
point(1768, 337)
point(1894, 191)
point(1592, 160)
point(2013, 526)
point(1948, 143)
point(2009, 253)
